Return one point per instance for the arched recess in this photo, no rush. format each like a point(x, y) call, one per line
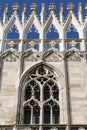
point(32, 83)
point(73, 55)
point(51, 112)
point(10, 66)
point(52, 32)
point(13, 24)
point(32, 33)
point(12, 30)
point(52, 55)
point(12, 33)
point(72, 32)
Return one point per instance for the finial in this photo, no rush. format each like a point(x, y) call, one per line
point(33, 7)
point(24, 8)
point(61, 7)
point(70, 7)
point(79, 7)
point(52, 7)
point(15, 8)
point(5, 16)
point(42, 14)
point(6, 8)
point(24, 14)
point(43, 7)
point(61, 13)
point(73, 44)
point(80, 15)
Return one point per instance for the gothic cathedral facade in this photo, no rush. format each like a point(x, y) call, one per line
point(43, 81)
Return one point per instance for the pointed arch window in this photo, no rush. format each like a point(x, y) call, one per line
point(41, 97)
point(51, 113)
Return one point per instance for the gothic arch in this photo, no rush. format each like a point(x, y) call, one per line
point(10, 55)
point(52, 55)
point(73, 55)
point(38, 72)
point(13, 21)
point(31, 55)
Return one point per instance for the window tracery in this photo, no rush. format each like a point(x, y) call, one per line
point(41, 95)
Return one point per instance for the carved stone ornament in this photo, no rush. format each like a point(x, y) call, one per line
point(52, 56)
point(73, 56)
point(32, 56)
point(10, 56)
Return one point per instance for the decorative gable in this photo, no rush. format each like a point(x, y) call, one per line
point(73, 55)
point(10, 56)
point(52, 56)
point(32, 56)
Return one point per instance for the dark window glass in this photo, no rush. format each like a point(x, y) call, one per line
point(27, 115)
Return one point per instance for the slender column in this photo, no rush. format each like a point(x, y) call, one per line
point(62, 34)
point(67, 93)
point(31, 115)
point(61, 13)
point(62, 45)
point(24, 15)
point(2, 37)
point(70, 8)
point(51, 118)
point(41, 106)
point(21, 44)
point(42, 44)
point(5, 17)
point(42, 33)
point(82, 44)
point(41, 115)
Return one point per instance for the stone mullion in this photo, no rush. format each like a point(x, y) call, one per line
point(41, 105)
point(31, 115)
point(51, 120)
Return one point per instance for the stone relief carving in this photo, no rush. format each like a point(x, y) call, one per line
point(32, 56)
point(52, 56)
point(73, 56)
point(10, 56)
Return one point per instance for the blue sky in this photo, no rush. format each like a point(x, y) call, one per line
point(47, 2)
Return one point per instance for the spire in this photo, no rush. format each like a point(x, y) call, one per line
point(5, 17)
point(43, 14)
point(61, 13)
point(80, 15)
point(24, 14)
